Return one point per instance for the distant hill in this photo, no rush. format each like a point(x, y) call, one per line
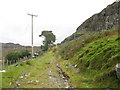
point(7, 47)
point(108, 18)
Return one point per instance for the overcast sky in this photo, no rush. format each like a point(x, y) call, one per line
point(60, 16)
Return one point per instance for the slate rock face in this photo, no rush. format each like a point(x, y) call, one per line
point(108, 18)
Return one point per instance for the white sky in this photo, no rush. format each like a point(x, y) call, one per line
point(60, 16)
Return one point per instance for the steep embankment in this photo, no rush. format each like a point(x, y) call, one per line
point(108, 18)
point(92, 60)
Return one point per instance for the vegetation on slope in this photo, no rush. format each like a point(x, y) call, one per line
point(14, 55)
point(69, 49)
point(95, 57)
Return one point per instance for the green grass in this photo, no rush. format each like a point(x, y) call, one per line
point(69, 49)
point(77, 79)
point(12, 73)
point(99, 52)
point(9, 77)
point(96, 62)
point(40, 71)
point(36, 69)
point(95, 56)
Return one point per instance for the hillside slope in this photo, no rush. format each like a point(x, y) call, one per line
point(94, 58)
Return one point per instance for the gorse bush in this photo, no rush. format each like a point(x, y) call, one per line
point(24, 53)
point(15, 55)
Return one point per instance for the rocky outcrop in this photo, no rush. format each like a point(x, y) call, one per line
point(72, 37)
point(105, 20)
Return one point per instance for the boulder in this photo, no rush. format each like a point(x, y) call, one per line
point(118, 70)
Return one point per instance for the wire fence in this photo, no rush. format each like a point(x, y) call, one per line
point(10, 64)
point(7, 65)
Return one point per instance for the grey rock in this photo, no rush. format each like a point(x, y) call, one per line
point(118, 70)
point(18, 84)
point(21, 77)
point(30, 81)
point(26, 75)
point(108, 18)
point(37, 81)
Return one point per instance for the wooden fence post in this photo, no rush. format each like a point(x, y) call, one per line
point(10, 62)
point(3, 63)
point(7, 64)
point(13, 61)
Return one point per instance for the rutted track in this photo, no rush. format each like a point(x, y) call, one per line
point(52, 77)
point(64, 78)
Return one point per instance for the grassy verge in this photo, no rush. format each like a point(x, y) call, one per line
point(9, 77)
point(12, 73)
